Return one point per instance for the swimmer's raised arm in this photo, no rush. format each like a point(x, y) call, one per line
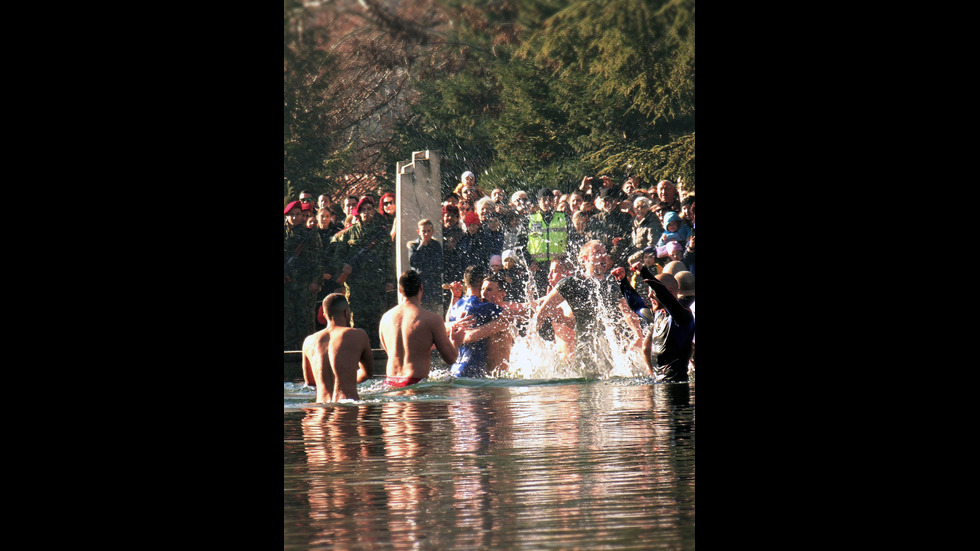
point(631, 319)
point(633, 322)
point(456, 288)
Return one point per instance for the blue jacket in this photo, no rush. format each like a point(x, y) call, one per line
point(472, 358)
point(682, 234)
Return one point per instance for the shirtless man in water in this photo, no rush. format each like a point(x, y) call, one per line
point(500, 338)
point(561, 315)
point(339, 357)
point(408, 333)
point(590, 296)
point(500, 343)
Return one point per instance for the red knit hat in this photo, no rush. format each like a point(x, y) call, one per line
point(365, 199)
point(291, 206)
point(471, 219)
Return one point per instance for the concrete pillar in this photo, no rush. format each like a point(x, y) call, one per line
point(418, 195)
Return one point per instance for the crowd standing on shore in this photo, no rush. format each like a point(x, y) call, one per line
point(561, 255)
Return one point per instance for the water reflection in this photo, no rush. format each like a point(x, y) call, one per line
point(414, 441)
point(457, 466)
point(334, 440)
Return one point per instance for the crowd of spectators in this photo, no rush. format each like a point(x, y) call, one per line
point(517, 236)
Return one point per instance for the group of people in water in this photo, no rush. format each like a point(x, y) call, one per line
point(584, 293)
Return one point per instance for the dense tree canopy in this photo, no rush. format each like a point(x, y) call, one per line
point(522, 92)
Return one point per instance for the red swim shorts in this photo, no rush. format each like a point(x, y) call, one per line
point(399, 382)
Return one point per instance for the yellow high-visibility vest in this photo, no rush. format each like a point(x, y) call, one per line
point(545, 241)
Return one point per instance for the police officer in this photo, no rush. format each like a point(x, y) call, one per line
point(362, 257)
point(547, 239)
point(302, 274)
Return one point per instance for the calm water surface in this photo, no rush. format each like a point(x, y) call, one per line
point(492, 464)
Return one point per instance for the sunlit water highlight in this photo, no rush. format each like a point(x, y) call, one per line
point(593, 454)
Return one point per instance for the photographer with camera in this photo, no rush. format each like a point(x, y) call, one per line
point(592, 186)
point(612, 227)
point(362, 258)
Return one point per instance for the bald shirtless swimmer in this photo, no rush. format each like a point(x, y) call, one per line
point(338, 357)
point(408, 332)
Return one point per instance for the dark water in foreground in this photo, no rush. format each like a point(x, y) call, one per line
point(492, 464)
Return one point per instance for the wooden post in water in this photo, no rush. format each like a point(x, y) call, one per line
point(418, 195)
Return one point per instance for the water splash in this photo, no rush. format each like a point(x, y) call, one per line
point(611, 354)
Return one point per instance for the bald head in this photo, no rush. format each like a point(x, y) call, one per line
point(593, 257)
point(675, 266)
point(669, 282)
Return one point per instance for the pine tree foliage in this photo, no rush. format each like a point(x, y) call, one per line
point(623, 73)
point(347, 67)
point(310, 145)
point(522, 92)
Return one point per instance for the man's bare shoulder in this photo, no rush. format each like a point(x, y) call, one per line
point(311, 341)
point(432, 317)
point(408, 312)
point(388, 314)
point(353, 333)
point(421, 316)
point(391, 313)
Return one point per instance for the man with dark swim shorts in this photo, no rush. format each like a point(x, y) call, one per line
point(409, 332)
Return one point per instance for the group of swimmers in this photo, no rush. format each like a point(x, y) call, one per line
point(476, 336)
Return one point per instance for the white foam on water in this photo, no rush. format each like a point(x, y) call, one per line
point(612, 354)
point(533, 359)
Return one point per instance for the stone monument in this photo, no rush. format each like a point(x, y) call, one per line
point(418, 195)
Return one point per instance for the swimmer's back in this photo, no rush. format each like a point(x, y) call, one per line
point(343, 349)
point(316, 365)
point(407, 335)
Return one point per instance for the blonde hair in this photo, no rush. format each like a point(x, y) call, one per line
point(426, 222)
point(481, 202)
